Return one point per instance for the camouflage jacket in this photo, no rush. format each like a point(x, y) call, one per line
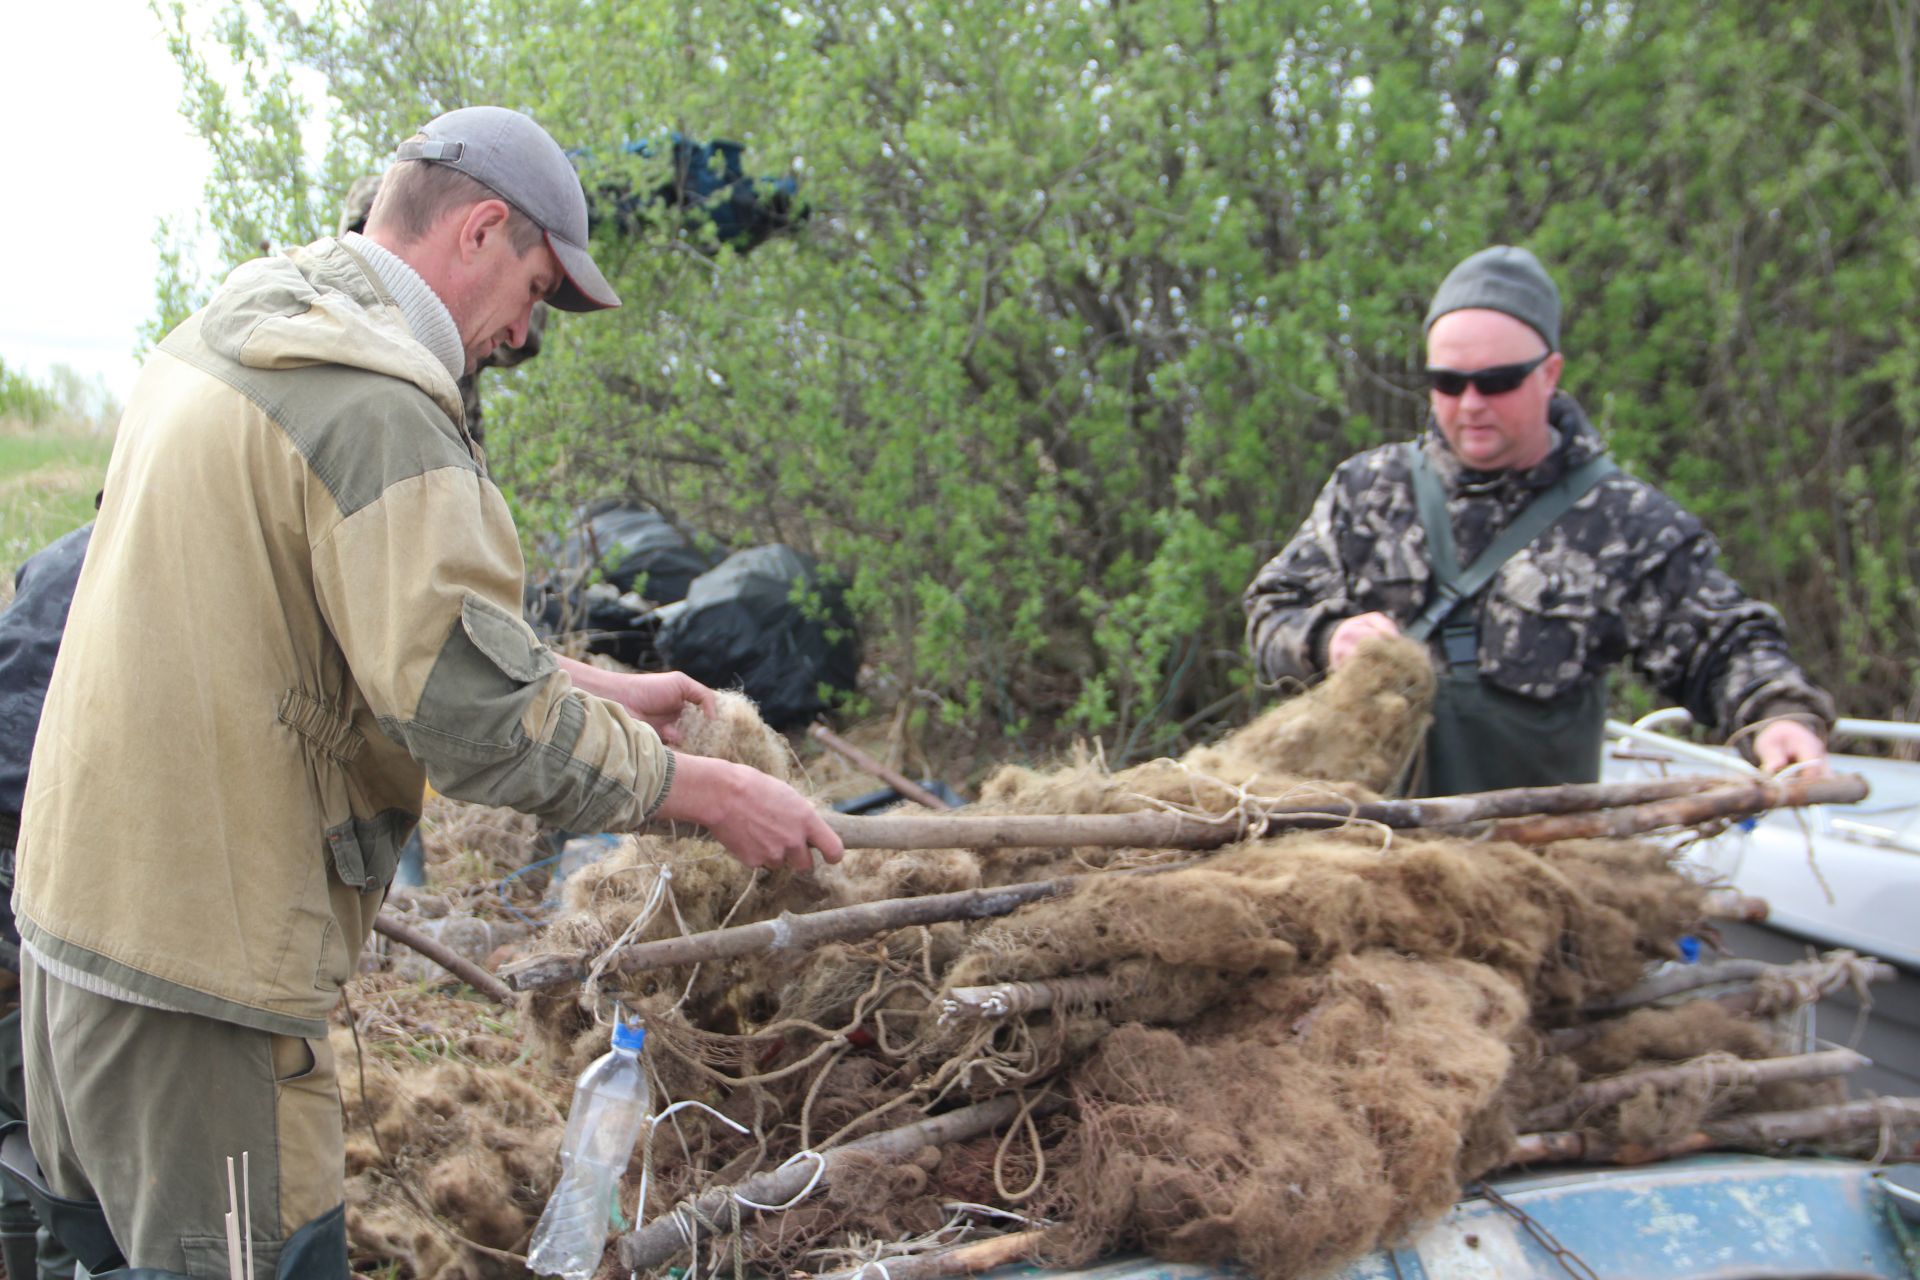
point(1627, 573)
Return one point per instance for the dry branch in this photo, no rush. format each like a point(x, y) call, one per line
point(1717, 1072)
point(789, 932)
point(1763, 1132)
point(1729, 904)
point(654, 1244)
point(961, 1260)
point(1008, 998)
point(1776, 989)
point(1738, 800)
point(1682, 979)
point(867, 764)
point(1486, 813)
point(444, 956)
point(1782, 1128)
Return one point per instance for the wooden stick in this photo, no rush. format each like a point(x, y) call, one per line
point(1730, 904)
point(1781, 987)
point(1761, 1132)
point(789, 932)
point(1681, 979)
point(1711, 1071)
point(1830, 972)
point(665, 1237)
point(444, 956)
point(1782, 1128)
point(867, 764)
point(1008, 998)
point(1547, 1148)
point(1041, 830)
point(961, 1260)
point(1480, 814)
point(1737, 800)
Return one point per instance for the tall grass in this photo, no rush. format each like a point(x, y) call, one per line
point(55, 438)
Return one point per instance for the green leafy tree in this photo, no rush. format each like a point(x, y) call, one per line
point(1094, 295)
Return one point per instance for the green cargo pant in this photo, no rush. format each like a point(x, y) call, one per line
point(53, 1262)
point(139, 1109)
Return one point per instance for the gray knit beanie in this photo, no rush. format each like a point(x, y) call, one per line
point(1505, 279)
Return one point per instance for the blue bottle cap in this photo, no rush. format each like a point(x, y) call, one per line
point(1689, 949)
point(629, 1036)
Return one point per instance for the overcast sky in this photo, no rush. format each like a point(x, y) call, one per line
point(98, 153)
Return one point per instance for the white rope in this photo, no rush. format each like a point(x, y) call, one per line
point(819, 1171)
point(662, 886)
point(646, 1164)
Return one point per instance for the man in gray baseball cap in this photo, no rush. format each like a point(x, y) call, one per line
point(1530, 565)
point(512, 156)
point(301, 602)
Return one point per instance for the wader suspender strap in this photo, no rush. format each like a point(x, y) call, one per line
point(1451, 583)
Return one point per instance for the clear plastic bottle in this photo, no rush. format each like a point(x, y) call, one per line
point(610, 1108)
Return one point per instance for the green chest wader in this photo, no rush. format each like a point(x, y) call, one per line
point(1484, 737)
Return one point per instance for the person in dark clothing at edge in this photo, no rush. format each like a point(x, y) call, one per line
point(301, 601)
point(1530, 564)
point(30, 630)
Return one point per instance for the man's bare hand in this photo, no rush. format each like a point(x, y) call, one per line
point(657, 698)
point(1348, 634)
point(1789, 742)
point(761, 820)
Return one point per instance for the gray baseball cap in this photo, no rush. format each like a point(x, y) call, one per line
point(1505, 279)
point(515, 157)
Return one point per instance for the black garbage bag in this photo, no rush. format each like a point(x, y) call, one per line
point(742, 626)
point(628, 542)
point(638, 551)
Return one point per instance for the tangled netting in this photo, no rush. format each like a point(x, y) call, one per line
point(1285, 1052)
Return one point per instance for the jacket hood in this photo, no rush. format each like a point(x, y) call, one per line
point(1575, 440)
point(321, 305)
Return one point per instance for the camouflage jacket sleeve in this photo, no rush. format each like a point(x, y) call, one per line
point(1711, 648)
point(1299, 594)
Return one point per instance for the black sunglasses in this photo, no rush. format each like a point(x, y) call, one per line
point(1494, 381)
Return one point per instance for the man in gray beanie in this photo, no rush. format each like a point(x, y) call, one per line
point(301, 603)
point(1529, 563)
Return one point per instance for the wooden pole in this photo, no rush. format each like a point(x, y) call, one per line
point(654, 1244)
point(1682, 979)
point(444, 956)
point(1783, 1128)
point(1042, 830)
point(1713, 1071)
point(1779, 988)
point(1678, 802)
point(1738, 800)
point(1730, 904)
point(790, 932)
point(961, 1260)
point(867, 764)
point(1828, 974)
point(1765, 1131)
point(1008, 998)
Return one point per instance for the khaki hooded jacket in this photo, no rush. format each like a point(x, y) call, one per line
point(302, 601)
